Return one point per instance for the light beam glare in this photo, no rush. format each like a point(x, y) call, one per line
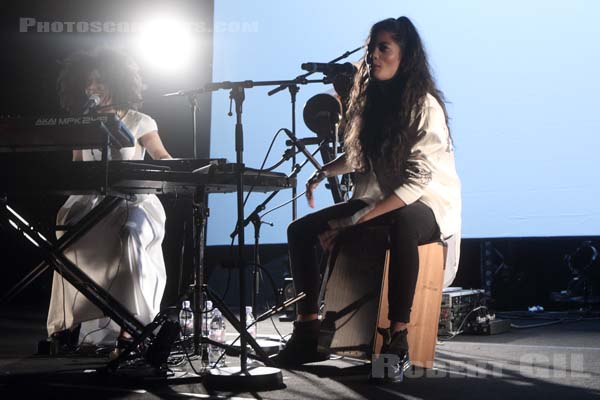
point(167, 44)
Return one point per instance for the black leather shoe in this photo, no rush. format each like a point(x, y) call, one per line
point(65, 341)
point(393, 360)
point(302, 346)
point(122, 344)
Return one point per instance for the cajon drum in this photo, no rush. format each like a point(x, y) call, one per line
point(356, 301)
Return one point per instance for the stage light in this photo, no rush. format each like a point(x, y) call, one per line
point(167, 44)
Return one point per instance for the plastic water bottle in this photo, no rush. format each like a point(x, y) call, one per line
point(249, 320)
point(217, 334)
point(205, 326)
point(206, 318)
point(186, 319)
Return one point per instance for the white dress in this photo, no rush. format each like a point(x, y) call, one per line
point(122, 253)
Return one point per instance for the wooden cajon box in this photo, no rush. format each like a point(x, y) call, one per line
point(356, 298)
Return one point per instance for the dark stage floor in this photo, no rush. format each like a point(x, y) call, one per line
point(560, 361)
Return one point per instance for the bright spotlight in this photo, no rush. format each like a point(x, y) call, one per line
point(167, 44)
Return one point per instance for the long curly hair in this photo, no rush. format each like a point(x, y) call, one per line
point(116, 70)
point(380, 113)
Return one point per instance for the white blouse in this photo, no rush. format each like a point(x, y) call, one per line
point(139, 124)
point(432, 180)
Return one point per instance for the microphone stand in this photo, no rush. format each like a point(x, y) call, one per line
point(234, 377)
point(294, 89)
point(255, 218)
point(307, 74)
point(194, 105)
point(293, 93)
point(200, 213)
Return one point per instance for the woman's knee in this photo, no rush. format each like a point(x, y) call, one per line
point(302, 226)
point(416, 224)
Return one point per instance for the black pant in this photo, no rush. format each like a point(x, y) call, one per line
point(409, 227)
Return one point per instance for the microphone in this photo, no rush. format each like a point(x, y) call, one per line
point(305, 141)
point(329, 68)
point(301, 147)
point(92, 102)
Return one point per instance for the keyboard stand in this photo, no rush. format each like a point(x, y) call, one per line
point(54, 257)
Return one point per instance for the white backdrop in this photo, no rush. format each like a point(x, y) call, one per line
point(520, 78)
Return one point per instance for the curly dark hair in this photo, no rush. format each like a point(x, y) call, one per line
point(380, 113)
point(118, 71)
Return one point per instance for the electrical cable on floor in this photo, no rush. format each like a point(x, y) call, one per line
point(560, 321)
point(175, 360)
point(550, 315)
point(459, 330)
point(187, 356)
point(552, 318)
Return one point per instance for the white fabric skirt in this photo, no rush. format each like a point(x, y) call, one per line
point(122, 254)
